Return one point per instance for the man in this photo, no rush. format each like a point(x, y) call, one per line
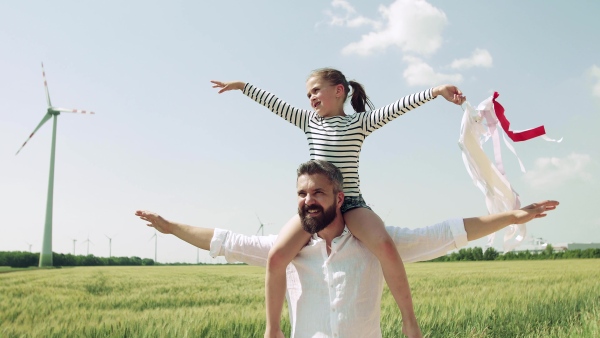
point(334, 285)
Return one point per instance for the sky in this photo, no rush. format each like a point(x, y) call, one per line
point(162, 139)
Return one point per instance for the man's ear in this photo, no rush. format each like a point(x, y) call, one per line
point(340, 198)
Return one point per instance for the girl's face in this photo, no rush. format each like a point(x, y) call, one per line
point(326, 99)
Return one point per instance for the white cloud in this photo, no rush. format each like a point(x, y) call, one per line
point(419, 73)
point(349, 18)
point(594, 72)
point(479, 58)
point(553, 171)
point(413, 25)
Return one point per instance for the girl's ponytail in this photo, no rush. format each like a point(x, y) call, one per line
point(359, 99)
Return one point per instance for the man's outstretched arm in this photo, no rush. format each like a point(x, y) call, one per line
point(252, 250)
point(196, 236)
point(423, 244)
point(478, 227)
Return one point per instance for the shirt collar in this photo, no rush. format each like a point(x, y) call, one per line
point(316, 238)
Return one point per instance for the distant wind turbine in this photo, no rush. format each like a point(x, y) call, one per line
point(88, 244)
point(261, 228)
point(155, 236)
point(74, 241)
point(29, 246)
point(109, 245)
point(51, 112)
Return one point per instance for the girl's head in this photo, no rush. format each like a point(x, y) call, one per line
point(328, 89)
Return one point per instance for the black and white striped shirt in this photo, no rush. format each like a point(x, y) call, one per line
point(338, 139)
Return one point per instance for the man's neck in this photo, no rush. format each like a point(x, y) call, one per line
point(333, 230)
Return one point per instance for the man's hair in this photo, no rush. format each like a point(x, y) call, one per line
point(333, 174)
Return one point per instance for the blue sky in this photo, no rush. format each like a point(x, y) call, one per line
point(163, 140)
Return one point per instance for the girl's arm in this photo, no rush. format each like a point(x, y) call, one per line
point(378, 118)
point(297, 117)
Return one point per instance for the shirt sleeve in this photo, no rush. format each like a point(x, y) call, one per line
point(376, 119)
point(422, 244)
point(252, 250)
point(297, 117)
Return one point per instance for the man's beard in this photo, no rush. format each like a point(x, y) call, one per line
point(313, 224)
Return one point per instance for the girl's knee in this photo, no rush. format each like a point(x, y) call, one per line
point(278, 260)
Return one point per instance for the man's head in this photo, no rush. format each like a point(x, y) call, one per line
point(320, 195)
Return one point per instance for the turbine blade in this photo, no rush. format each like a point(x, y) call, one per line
point(77, 111)
point(46, 86)
point(46, 118)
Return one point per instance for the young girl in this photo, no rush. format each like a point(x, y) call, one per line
point(336, 137)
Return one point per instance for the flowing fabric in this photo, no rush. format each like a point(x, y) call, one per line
point(490, 177)
point(499, 194)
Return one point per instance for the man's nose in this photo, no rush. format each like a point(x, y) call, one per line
point(308, 200)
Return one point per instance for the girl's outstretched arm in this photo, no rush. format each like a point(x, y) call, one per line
point(227, 86)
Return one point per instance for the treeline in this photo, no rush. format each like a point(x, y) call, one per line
point(23, 259)
point(491, 254)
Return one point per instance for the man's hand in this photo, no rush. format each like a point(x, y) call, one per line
point(450, 93)
point(156, 221)
point(226, 86)
point(535, 210)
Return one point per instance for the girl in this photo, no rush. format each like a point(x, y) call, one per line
point(336, 137)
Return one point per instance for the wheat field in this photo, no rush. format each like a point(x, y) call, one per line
point(459, 299)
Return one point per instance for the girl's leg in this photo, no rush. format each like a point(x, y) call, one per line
point(365, 225)
point(291, 239)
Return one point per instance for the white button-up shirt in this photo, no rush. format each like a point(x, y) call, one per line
point(339, 295)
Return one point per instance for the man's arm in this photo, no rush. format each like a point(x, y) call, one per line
point(234, 247)
point(422, 244)
point(196, 236)
point(477, 227)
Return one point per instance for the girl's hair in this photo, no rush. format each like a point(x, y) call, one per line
point(359, 99)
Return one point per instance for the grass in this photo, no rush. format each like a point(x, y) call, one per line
point(461, 299)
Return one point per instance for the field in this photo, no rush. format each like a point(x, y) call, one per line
point(461, 299)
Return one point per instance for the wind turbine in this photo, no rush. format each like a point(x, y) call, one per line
point(29, 246)
point(88, 244)
point(109, 245)
point(155, 236)
point(74, 241)
point(261, 228)
point(51, 112)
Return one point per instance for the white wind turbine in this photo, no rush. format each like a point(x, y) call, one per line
point(261, 228)
point(88, 244)
point(109, 245)
point(155, 236)
point(51, 112)
point(74, 241)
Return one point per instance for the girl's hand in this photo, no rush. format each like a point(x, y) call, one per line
point(225, 86)
point(450, 93)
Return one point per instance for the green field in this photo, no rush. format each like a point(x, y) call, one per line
point(462, 299)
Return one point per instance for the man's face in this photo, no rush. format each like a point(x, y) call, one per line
point(317, 203)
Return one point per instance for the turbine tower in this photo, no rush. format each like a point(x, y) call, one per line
point(109, 245)
point(155, 236)
point(88, 244)
point(51, 112)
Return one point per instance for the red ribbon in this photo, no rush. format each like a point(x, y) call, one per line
point(518, 135)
